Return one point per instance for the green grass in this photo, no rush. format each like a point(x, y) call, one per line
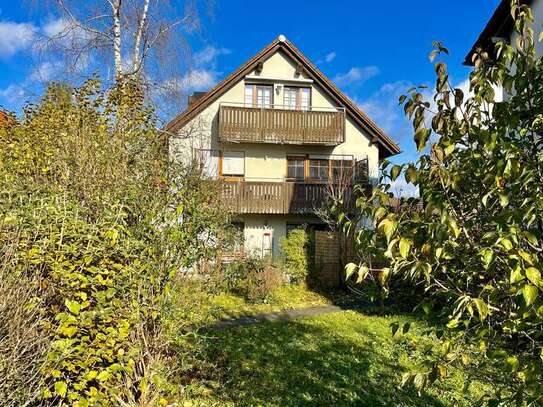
point(341, 359)
point(193, 305)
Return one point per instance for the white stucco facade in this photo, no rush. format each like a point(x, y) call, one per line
point(268, 162)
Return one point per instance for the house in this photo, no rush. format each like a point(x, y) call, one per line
point(500, 26)
point(280, 135)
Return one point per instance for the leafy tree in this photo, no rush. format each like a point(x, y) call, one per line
point(476, 243)
point(95, 221)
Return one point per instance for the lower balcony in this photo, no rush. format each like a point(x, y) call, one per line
point(256, 197)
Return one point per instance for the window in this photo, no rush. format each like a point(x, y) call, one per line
point(296, 168)
point(341, 170)
point(233, 163)
point(305, 98)
point(289, 98)
point(249, 95)
point(208, 162)
point(259, 96)
point(318, 169)
point(297, 98)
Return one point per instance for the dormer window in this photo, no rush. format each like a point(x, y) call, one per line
point(259, 96)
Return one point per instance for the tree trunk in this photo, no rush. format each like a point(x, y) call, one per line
point(116, 6)
point(137, 63)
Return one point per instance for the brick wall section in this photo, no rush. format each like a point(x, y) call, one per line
point(327, 261)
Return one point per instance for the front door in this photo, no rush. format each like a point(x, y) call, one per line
point(267, 244)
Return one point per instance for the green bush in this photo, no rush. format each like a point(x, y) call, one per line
point(95, 228)
point(295, 262)
point(473, 245)
point(252, 278)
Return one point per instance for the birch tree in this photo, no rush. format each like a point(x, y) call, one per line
point(143, 39)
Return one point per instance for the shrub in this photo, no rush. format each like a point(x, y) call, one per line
point(93, 228)
point(474, 244)
point(261, 285)
point(295, 262)
point(252, 278)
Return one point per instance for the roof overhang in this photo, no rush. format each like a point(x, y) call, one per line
point(500, 25)
point(387, 147)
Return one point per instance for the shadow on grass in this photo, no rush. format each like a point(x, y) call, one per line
point(309, 362)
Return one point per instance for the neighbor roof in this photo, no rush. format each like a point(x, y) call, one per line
point(500, 25)
point(387, 147)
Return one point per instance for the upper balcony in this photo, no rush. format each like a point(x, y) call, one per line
point(280, 125)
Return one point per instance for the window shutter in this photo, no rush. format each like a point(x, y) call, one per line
point(233, 163)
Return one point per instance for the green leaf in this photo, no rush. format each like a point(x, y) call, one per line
point(73, 306)
point(516, 275)
point(388, 226)
point(394, 327)
point(534, 275)
point(421, 138)
point(411, 174)
point(379, 214)
point(513, 363)
point(504, 200)
point(405, 246)
point(362, 274)
point(103, 376)
point(531, 238)
point(350, 270)
point(482, 308)
point(529, 292)
point(395, 172)
point(61, 388)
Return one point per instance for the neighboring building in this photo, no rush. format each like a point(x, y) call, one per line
point(500, 26)
point(279, 133)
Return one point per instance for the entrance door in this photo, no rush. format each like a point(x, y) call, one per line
point(267, 244)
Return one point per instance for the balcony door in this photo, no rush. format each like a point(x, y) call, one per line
point(259, 96)
point(296, 98)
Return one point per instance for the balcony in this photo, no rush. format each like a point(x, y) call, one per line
point(282, 197)
point(240, 124)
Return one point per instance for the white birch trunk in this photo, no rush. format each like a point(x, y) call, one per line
point(117, 38)
point(137, 42)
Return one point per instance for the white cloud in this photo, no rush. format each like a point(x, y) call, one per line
point(356, 75)
point(15, 37)
point(209, 55)
point(400, 187)
point(328, 58)
point(54, 27)
point(195, 80)
point(199, 79)
point(14, 94)
point(45, 72)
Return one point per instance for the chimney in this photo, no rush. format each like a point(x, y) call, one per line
point(194, 97)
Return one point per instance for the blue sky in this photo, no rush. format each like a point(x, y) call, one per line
point(373, 50)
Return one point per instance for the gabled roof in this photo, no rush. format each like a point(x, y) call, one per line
point(500, 25)
point(387, 146)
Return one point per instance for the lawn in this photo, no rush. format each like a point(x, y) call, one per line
point(340, 359)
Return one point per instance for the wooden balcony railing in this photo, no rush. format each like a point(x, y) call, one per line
point(281, 126)
point(279, 197)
